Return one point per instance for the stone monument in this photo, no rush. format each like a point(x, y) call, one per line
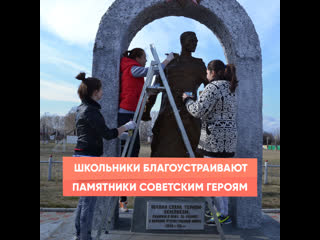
point(238, 37)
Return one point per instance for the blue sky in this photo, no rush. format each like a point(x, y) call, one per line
point(68, 30)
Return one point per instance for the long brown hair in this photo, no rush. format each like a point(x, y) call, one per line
point(87, 86)
point(136, 52)
point(224, 72)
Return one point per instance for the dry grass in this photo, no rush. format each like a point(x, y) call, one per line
point(271, 191)
point(270, 196)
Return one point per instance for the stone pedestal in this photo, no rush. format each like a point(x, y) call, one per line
point(103, 204)
point(169, 214)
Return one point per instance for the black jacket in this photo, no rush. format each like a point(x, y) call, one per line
point(91, 128)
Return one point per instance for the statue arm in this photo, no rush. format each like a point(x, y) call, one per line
point(203, 75)
point(205, 81)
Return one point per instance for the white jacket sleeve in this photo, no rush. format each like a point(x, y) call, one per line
point(206, 102)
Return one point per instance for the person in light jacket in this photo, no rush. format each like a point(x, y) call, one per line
point(217, 107)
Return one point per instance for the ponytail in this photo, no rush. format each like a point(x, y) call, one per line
point(230, 75)
point(126, 54)
point(81, 76)
point(134, 53)
point(224, 72)
point(87, 86)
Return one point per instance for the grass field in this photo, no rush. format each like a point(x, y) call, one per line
point(51, 191)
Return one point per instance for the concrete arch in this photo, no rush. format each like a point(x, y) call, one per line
point(234, 29)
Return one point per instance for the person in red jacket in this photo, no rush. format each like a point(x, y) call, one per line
point(133, 71)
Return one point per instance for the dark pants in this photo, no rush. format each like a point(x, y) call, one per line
point(122, 119)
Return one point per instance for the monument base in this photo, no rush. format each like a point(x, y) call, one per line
point(169, 214)
point(103, 204)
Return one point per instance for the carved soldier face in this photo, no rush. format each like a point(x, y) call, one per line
point(189, 42)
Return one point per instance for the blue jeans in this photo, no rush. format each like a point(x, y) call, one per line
point(222, 202)
point(84, 215)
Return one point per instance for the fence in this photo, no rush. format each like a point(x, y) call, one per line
point(271, 175)
point(54, 169)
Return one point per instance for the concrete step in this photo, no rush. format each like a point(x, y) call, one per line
point(125, 235)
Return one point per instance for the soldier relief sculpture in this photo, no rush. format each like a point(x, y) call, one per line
point(184, 74)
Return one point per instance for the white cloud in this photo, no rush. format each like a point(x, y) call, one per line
point(270, 123)
point(75, 21)
point(51, 55)
point(163, 33)
point(160, 33)
point(265, 14)
point(66, 64)
point(58, 91)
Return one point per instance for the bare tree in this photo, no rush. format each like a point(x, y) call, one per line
point(58, 125)
point(276, 134)
point(57, 122)
point(70, 122)
point(45, 126)
point(268, 138)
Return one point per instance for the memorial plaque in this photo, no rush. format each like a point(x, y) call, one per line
point(175, 215)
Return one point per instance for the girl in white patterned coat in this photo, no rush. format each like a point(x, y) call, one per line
point(216, 107)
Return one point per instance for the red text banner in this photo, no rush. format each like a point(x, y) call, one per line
point(115, 176)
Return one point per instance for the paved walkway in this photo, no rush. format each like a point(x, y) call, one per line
point(46, 217)
point(60, 225)
point(275, 216)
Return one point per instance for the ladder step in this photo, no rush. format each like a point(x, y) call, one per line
point(156, 89)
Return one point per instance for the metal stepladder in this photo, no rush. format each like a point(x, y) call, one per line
point(149, 88)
